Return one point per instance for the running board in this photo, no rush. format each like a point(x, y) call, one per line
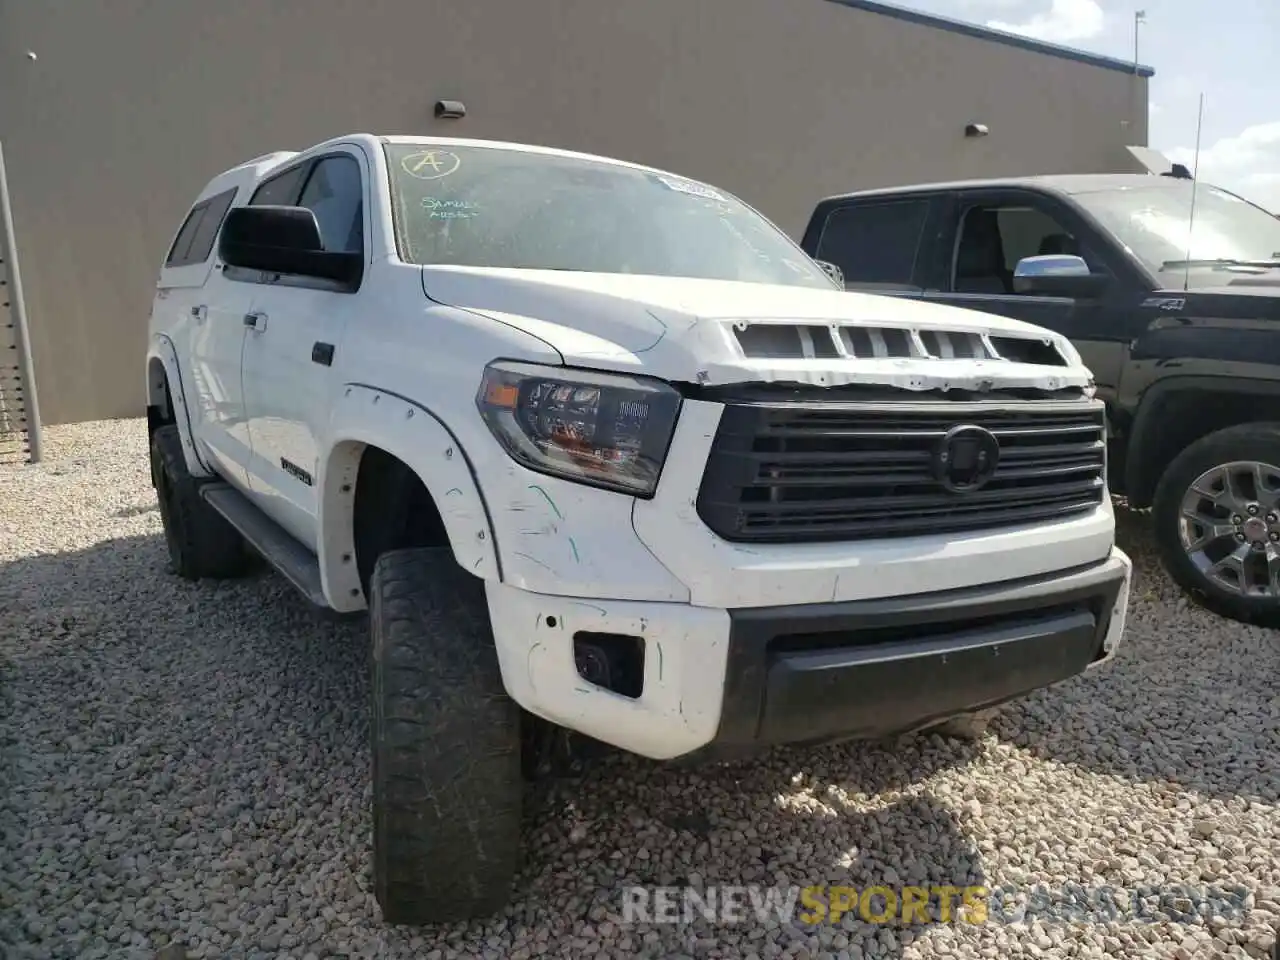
point(294, 562)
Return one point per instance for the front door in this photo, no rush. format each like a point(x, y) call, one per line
point(989, 232)
point(296, 333)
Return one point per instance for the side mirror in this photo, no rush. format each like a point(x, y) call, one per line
point(284, 240)
point(832, 271)
point(1057, 275)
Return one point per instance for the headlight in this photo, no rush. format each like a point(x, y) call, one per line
point(601, 429)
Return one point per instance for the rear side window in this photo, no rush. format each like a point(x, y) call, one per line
point(194, 242)
point(875, 242)
point(282, 189)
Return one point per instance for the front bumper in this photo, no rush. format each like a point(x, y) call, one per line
point(723, 683)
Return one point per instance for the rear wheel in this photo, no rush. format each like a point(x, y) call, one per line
point(446, 744)
point(201, 542)
point(1216, 514)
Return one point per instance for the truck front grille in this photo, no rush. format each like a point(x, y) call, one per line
point(787, 472)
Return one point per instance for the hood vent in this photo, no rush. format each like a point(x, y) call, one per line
point(793, 341)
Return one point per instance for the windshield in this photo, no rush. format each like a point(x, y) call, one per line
point(494, 207)
point(1153, 223)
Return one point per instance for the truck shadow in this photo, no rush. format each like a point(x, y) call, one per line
point(820, 849)
point(222, 703)
point(217, 706)
point(203, 722)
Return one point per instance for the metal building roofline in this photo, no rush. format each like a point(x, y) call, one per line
point(997, 36)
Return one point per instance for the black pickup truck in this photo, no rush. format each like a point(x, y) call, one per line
point(1176, 310)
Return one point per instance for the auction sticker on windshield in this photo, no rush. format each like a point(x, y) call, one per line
point(693, 189)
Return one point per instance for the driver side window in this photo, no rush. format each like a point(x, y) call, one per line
point(335, 194)
point(992, 238)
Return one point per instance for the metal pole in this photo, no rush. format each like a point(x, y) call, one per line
point(30, 405)
point(1139, 18)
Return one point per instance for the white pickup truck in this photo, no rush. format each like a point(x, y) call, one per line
point(602, 451)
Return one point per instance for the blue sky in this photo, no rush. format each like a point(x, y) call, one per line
point(1225, 49)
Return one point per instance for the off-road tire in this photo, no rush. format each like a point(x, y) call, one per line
point(1249, 441)
point(446, 745)
point(202, 544)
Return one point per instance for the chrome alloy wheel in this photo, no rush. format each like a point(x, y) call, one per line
point(1230, 527)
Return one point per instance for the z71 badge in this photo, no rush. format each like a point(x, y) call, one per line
point(1165, 303)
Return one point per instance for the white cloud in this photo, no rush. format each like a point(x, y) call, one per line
point(1066, 21)
point(991, 5)
point(1247, 164)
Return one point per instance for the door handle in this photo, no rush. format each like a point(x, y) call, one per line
point(322, 353)
point(200, 313)
point(257, 320)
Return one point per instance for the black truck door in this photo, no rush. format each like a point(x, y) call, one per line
point(983, 236)
point(881, 244)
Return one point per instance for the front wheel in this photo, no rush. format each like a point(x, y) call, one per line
point(446, 745)
point(1216, 514)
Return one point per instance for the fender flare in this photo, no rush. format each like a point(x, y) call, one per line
point(1144, 430)
point(162, 351)
point(365, 416)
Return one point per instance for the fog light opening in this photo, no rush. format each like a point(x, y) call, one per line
point(613, 661)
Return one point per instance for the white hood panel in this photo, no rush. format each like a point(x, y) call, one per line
point(710, 331)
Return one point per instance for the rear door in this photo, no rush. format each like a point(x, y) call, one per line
point(984, 233)
point(883, 244)
point(203, 305)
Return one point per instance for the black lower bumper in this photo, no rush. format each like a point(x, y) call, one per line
point(868, 669)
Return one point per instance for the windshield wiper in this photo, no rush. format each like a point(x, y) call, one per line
point(1220, 262)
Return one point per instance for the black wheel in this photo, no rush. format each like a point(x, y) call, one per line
point(446, 745)
point(201, 542)
point(1216, 514)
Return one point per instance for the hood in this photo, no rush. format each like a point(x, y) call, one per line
point(720, 331)
point(1257, 296)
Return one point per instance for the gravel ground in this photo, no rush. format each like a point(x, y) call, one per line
point(184, 774)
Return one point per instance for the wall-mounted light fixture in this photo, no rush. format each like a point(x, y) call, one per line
point(450, 109)
point(976, 130)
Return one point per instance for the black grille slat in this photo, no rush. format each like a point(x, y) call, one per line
point(873, 520)
point(925, 500)
point(927, 434)
point(919, 526)
point(807, 472)
point(1092, 447)
point(869, 477)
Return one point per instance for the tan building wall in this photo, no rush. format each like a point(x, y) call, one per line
point(132, 105)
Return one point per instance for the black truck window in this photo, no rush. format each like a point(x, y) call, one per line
point(1154, 223)
point(335, 194)
point(281, 189)
point(875, 243)
point(993, 238)
point(194, 242)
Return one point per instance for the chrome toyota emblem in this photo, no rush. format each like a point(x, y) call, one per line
point(966, 458)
